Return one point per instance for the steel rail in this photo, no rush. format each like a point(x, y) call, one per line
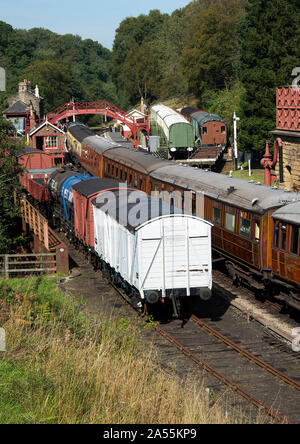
point(236, 388)
point(254, 359)
point(203, 364)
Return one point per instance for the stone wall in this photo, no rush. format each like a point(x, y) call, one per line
point(26, 96)
point(291, 164)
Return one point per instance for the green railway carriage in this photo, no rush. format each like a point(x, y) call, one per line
point(179, 133)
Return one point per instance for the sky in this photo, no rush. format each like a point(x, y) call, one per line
point(94, 19)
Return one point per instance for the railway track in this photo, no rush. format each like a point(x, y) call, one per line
point(187, 344)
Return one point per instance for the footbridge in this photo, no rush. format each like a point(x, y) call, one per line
point(70, 109)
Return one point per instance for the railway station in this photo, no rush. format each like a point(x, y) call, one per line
point(173, 224)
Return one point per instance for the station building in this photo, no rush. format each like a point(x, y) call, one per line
point(19, 106)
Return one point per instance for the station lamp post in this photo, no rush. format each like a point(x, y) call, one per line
point(235, 150)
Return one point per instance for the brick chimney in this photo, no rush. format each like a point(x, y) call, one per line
point(32, 117)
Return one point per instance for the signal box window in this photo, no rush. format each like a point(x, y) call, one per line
point(245, 225)
point(216, 216)
point(229, 221)
point(295, 239)
point(51, 142)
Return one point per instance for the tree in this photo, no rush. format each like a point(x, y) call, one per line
point(132, 33)
point(208, 60)
point(9, 170)
point(269, 40)
point(140, 75)
point(56, 84)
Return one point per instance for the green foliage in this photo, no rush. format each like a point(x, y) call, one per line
point(269, 38)
point(65, 66)
point(160, 56)
point(9, 170)
point(223, 102)
point(209, 57)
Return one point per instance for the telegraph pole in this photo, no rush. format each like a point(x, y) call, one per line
point(235, 119)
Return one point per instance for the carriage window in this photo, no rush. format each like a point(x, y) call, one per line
point(112, 169)
point(256, 230)
point(135, 182)
point(229, 221)
point(130, 179)
point(125, 178)
point(276, 235)
point(295, 239)
point(245, 226)
point(204, 130)
point(283, 237)
point(216, 216)
point(117, 172)
point(223, 129)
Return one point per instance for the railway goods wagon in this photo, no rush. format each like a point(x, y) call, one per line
point(83, 193)
point(243, 229)
point(29, 175)
point(33, 159)
point(38, 189)
point(156, 255)
point(60, 186)
point(210, 129)
point(178, 131)
point(87, 148)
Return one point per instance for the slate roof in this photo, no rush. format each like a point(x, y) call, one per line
point(17, 108)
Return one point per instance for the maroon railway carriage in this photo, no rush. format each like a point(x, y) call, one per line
point(83, 194)
point(86, 148)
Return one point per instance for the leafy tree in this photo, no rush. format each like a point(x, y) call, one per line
point(223, 103)
point(85, 65)
point(9, 170)
point(209, 58)
point(269, 37)
point(141, 75)
point(132, 33)
point(56, 83)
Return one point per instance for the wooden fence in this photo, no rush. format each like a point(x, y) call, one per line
point(15, 265)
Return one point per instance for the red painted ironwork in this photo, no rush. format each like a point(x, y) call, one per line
point(288, 108)
point(267, 162)
point(104, 108)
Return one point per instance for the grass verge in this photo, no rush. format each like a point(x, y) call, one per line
point(61, 367)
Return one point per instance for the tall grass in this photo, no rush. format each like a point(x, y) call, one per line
point(61, 367)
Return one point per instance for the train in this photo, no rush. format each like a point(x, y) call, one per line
point(157, 253)
point(255, 232)
point(210, 130)
point(178, 131)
